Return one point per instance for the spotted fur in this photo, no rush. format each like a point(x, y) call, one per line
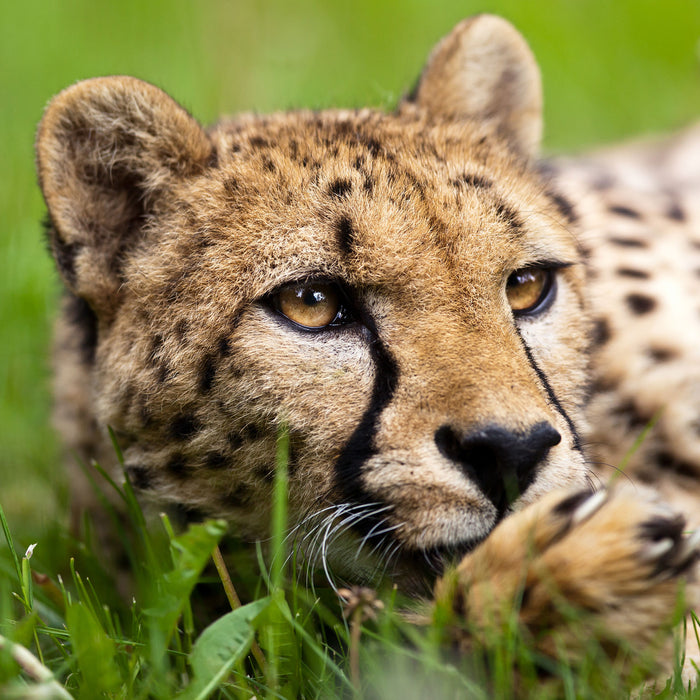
point(432, 410)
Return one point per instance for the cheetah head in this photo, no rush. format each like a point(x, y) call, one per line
point(400, 292)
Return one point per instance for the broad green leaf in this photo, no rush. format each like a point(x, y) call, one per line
point(95, 652)
point(190, 552)
point(220, 647)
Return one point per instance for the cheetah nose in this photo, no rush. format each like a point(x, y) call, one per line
point(503, 463)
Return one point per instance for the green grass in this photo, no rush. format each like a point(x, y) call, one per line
point(610, 70)
point(62, 639)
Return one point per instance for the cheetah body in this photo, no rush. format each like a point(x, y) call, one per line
point(639, 208)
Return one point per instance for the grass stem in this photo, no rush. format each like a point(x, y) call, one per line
point(35, 669)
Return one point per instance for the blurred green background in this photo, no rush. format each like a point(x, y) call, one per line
point(610, 69)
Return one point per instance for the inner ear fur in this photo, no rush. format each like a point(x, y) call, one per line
point(484, 70)
point(107, 149)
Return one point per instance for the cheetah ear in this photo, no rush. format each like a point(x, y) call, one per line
point(108, 149)
point(485, 70)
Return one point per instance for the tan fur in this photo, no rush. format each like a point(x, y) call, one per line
point(485, 70)
point(176, 240)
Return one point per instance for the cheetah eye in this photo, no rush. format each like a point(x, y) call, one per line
point(311, 305)
point(531, 290)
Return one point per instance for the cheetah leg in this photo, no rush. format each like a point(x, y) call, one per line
point(622, 560)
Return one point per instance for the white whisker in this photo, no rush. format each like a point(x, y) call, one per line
point(314, 537)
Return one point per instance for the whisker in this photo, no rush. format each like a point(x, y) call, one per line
point(315, 535)
point(376, 534)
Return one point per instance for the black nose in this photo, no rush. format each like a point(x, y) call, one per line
point(503, 463)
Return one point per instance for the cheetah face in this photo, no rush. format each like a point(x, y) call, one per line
point(401, 292)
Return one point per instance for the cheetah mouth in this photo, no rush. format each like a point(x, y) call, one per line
point(414, 568)
point(416, 571)
point(366, 544)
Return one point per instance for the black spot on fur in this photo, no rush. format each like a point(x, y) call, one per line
point(632, 272)
point(232, 187)
point(185, 514)
point(269, 165)
point(372, 145)
point(471, 180)
point(184, 426)
point(251, 432)
point(624, 211)
point(508, 215)
point(571, 503)
point(660, 528)
point(601, 332)
point(439, 227)
point(215, 460)
point(181, 328)
point(84, 322)
point(628, 242)
point(213, 160)
point(154, 353)
point(293, 149)
point(662, 354)
point(564, 206)
point(340, 187)
point(164, 373)
point(665, 459)
point(668, 462)
point(628, 410)
point(640, 303)
point(416, 184)
point(675, 212)
point(177, 466)
point(266, 474)
point(345, 233)
point(368, 185)
point(140, 477)
point(259, 142)
point(207, 372)
point(234, 440)
point(603, 384)
point(240, 498)
point(203, 240)
point(224, 346)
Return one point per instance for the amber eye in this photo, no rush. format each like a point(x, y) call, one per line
point(310, 304)
point(530, 290)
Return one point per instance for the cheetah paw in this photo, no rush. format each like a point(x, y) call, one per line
point(609, 565)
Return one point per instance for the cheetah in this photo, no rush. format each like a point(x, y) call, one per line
point(463, 343)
